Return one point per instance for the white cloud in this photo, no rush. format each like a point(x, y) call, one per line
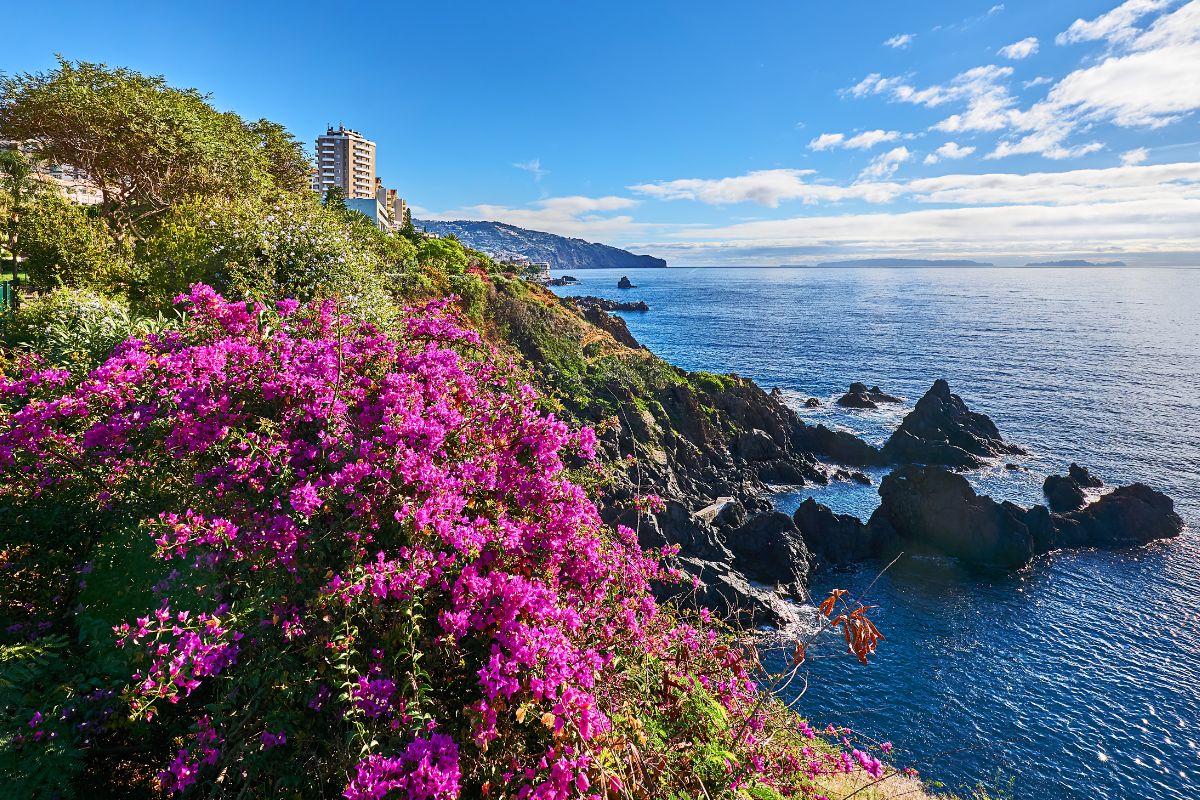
point(1022, 49)
point(1041, 80)
point(950, 151)
point(534, 167)
point(868, 139)
point(860, 141)
point(1147, 78)
point(996, 9)
point(884, 165)
point(1115, 26)
point(1128, 183)
point(765, 187)
point(900, 40)
point(1134, 157)
point(1150, 82)
point(826, 141)
point(988, 101)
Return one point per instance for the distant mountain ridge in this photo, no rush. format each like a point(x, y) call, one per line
point(1075, 262)
point(905, 262)
point(561, 252)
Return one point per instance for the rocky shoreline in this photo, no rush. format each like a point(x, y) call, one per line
point(716, 448)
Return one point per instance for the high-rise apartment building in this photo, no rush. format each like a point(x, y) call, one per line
point(346, 159)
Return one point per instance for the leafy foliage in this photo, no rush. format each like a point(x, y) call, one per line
point(78, 328)
point(145, 144)
point(353, 552)
point(289, 247)
point(61, 244)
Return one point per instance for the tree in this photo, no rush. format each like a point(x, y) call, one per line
point(335, 199)
point(18, 184)
point(286, 160)
point(143, 143)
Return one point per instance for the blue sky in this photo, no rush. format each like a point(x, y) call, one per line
point(757, 133)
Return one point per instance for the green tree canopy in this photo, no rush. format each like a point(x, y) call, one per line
point(145, 144)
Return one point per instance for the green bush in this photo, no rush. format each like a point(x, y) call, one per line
point(78, 327)
point(292, 247)
point(64, 245)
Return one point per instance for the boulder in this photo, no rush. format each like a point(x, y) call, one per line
point(860, 396)
point(1083, 478)
point(942, 431)
point(836, 539)
point(852, 476)
point(625, 283)
point(812, 402)
point(857, 397)
point(1065, 493)
point(769, 549)
point(755, 445)
point(785, 472)
point(929, 508)
point(725, 591)
point(841, 447)
point(1126, 516)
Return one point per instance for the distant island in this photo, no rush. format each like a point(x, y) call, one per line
point(1076, 262)
point(904, 262)
point(561, 252)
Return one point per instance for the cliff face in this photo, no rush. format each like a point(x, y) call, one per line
point(561, 252)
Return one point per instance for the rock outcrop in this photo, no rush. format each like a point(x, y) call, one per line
point(604, 304)
point(942, 431)
point(859, 396)
point(613, 326)
point(625, 283)
point(834, 539)
point(841, 447)
point(934, 510)
point(1125, 517)
point(1065, 493)
point(768, 549)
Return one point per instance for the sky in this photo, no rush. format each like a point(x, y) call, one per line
point(764, 132)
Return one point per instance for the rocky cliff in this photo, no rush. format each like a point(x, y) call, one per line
point(561, 252)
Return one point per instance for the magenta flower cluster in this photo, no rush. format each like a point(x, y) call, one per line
point(339, 506)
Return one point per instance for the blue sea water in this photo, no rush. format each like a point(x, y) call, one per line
point(1078, 678)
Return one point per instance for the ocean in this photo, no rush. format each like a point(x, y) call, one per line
point(1078, 678)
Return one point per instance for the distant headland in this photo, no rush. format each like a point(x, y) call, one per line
point(899, 262)
point(1075, 262)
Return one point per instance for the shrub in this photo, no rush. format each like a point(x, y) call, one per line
point(78, 328)
point(370, 575)
point(63, 245)
point(291, 247)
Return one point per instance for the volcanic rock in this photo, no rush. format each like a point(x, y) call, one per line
point(625, 283)
point(1126, 516)
point(836, 539)
point(930, 508)
point(942, 431)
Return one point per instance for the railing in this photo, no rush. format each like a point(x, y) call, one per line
point(7, 305)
